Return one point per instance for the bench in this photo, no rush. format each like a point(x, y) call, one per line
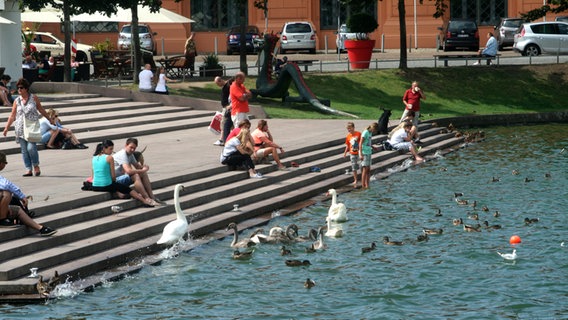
point(305, 63)
point(462, 56)
point(174, 66)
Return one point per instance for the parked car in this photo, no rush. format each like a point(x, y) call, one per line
point(46, 41)
point(234, 39)
point(561, 18)
point(505, 31)
point(542, 37)
point(342, 35)
point(144, 32)
point(298, 35)
point(459, 34)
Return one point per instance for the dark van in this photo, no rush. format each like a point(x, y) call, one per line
point(459, 34)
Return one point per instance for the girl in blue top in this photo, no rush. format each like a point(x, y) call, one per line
point(365, 153)
point(104, 178)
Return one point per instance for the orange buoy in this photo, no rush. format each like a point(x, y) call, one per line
point(515, 239)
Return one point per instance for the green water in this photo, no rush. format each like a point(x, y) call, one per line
point(456, 275)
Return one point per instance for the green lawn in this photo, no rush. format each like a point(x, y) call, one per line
point(454, 91)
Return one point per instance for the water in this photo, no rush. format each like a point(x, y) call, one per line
point(456, 275)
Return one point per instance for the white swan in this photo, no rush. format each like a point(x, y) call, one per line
point(337, 211)
point(176, 229)
point(236, 243)
point(319, 244)
point(334, 231)
point(508, 256)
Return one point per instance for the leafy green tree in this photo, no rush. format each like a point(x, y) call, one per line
point(552, 6)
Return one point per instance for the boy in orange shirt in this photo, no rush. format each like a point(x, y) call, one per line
point(352, 145)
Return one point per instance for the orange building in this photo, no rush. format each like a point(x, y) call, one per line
point(214, 17)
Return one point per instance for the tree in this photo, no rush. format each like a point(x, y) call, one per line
point(552, 6)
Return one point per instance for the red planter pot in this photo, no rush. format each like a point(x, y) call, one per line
point(359, 50)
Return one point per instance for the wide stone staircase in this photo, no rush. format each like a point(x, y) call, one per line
point(92, 239)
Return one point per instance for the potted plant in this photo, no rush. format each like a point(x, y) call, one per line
point(211, 66)
point(360, 50)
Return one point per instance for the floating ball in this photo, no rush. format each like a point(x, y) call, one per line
point(515, 239)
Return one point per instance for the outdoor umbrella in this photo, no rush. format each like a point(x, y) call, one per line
point(144, 16)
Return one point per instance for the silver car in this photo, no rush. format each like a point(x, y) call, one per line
point(298, 36)
point(506, 30)
point(542, 37)
point(144, 32)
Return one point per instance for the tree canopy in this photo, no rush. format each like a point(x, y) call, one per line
point(552, 6)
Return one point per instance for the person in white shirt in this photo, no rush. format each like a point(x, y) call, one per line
point(161, 87)
point(146, 78)
point(401, 141)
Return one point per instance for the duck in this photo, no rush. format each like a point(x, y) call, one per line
point(458, 194)
point(309, 283)
point(319, 244)
point(528, 180)
point(369, 249)
point(54, 281)
point(175, 230)
point(474, 216)
point(333, 231)
point(496, 213)
point(438, 213)
point(297, 263)
point(470, 228)
point(494, 179)
point(515, 172)
point(494, 226)
point(485, 209)
point(547, 175)
point(310, 249)
point(531, 220)
point(508, 256)
point(244, 255)
point(474, 204)
point(284, 251)
point(422, 237)
point(432, 231)
point(387, 241)
point(42, 287)
point(461, 202)
point(337, 211)
point(246, 243)
point(457, 222)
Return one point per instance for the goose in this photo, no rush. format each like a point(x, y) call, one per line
point(246, 243)
point(494, 226)
point(387, 241)
point(337, 211)
point(432, 231)
point(176, 229)
point(508, 256)
point(369, 249)
point(284, 251)
point(469, 228)
point(530, 220)
point(245, 255)
point(297, 263)
point(333, 231)
point(319, 244)
point(309, 283)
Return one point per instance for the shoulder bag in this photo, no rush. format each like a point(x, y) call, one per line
point(32, 132)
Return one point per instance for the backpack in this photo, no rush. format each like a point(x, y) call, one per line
point(387, 145)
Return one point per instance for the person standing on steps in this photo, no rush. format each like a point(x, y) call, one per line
point(352, 145)
point(226, 123)
point(240, 97)
point(411, 101)
point(27, 106)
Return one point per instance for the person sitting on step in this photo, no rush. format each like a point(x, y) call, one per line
point(264, 144)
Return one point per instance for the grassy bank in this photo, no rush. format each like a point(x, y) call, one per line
point(455, 91)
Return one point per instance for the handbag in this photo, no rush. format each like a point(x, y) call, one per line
point(215, 125)
point(32, 132)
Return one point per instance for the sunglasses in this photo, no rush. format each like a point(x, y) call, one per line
point(21, 88)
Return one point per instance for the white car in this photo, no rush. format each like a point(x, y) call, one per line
point(542, 37)
point(145, 34)
point(46, 41)
point(299, 35)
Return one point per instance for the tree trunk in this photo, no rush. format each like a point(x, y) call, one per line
point(135, 43)
point(243, 40)
point(402, 21)
point(67, 38)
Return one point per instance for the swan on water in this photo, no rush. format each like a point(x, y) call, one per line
point(176, 229)
point(333, 230)
point(319, 244)
point(246, 243)
point(337, 211)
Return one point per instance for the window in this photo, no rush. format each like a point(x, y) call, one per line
point(548, 28)
point(330, 10)
point(85, 27)
point(216, 14)
point(484, 12)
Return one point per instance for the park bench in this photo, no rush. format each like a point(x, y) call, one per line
point(174, 66)
point(446, 57)
point(305, 63)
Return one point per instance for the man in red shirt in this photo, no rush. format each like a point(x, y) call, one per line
point(239, 99)
point(411, 100)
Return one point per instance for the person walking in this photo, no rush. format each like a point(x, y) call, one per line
point(26, 106)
